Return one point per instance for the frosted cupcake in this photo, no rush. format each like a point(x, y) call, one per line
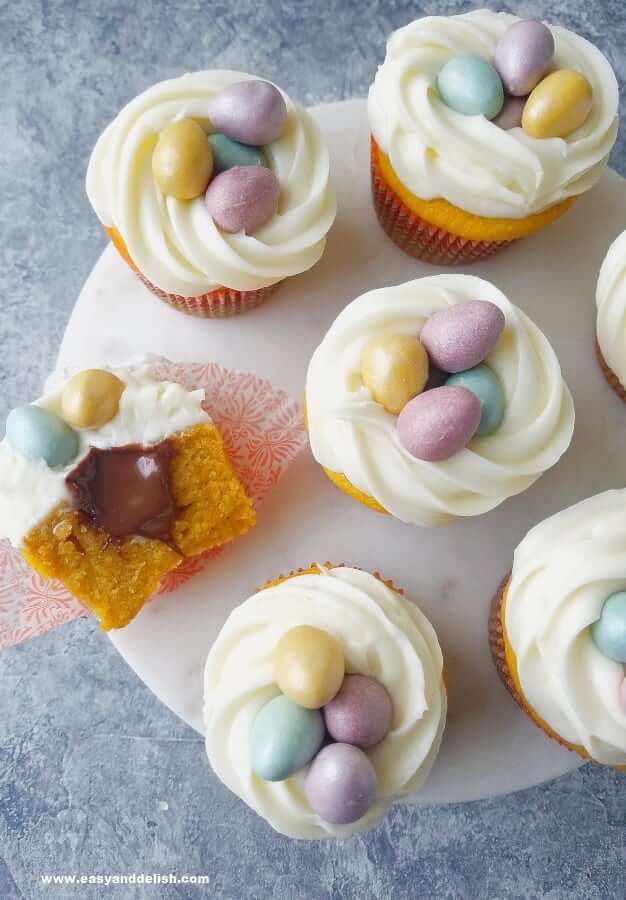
point(611, 322)
point(558, 628)
point(215, 188)
point(324, 701)
point(485, 128)
point(436, 399)
point(108, 482)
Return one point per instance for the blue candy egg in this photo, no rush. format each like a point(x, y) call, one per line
point(228, 153)
point(482, 381)
point(471, 86)
point(284, 738)
point(38, 434)
point(609, 632)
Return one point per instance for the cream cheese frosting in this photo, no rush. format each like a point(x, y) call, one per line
point(563, 571)
point(382, 634)
point(175, 243)
point(611, 303)
point(467, 160)
point(149, 411)
point(353, 435)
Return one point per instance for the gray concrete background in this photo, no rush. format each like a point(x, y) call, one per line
point(95, 775)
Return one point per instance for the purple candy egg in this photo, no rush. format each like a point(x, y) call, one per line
point(437, 424)
point(243, 198)
point(461, 336)
point(340, 784)
point(510, 116)
point(360, 713)
point(523, 56)
point(252, 112)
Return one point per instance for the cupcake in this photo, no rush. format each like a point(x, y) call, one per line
point(214, 187)
point(484, 129)
point(611, 328)
point(558, 628)
point(110, 481)
point(324, 701)
point(436, 399)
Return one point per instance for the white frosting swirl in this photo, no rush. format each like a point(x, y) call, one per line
point(563, 571)
point(353, 435)
point(382, 634)
point(149, 411)
point(611, 303)
point(469, 161)
point(175, 243)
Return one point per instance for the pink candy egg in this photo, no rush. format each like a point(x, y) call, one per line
point(252, 112)
point(523, 56)
point(341, 784)
point(243, 198)
point(360, 713)
point(510, 116)
point(437, 424)
point(461, 336)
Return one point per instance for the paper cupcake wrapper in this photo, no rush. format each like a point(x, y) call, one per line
point(610, 375)
point(222, 303)
point(420, 238)
point(263, 432)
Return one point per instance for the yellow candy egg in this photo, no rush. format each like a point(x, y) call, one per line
point(182, 161)
point(308, 666)
point(558, 105)
point(395, 369)
point(91, 398)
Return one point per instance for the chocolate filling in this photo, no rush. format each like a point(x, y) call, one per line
point(125, 490)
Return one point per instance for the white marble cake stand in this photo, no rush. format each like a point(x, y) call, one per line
point(490, 747)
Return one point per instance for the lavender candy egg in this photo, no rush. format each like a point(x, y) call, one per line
point(523, 56)
point(461, 336)
point(341, 784)
point(438, 424)
point(510, 116)
point(251, 112)
point(243, 198)
point(360, 714)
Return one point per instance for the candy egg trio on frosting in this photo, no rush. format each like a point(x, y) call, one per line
point(108, 482)
point(485, 128)
point(207, 217)
point(436, 399)
point(324, 701)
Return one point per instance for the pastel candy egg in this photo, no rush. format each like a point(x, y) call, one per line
point(461, 336)
point(308, 666)
point(439, 423)
point(558, 105)
point(483, 382)
point(471, 86)
point(252, 112)
point(523, 56)
point(228, 153)
point(91, 398)
point(284, 738)
point(182, 162)
point(243, 198)
point(510, 116)
point(361, 712)
point(609, 632)
point(39, 434)
point(395, 368)
point(341, 784)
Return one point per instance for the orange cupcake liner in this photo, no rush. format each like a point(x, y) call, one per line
point(438, 232)
point(505, 663)
point(220, 303)
point(610, 375)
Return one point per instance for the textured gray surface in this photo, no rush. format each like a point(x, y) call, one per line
point(88, 758)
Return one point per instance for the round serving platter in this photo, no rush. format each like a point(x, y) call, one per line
point(489, 747)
